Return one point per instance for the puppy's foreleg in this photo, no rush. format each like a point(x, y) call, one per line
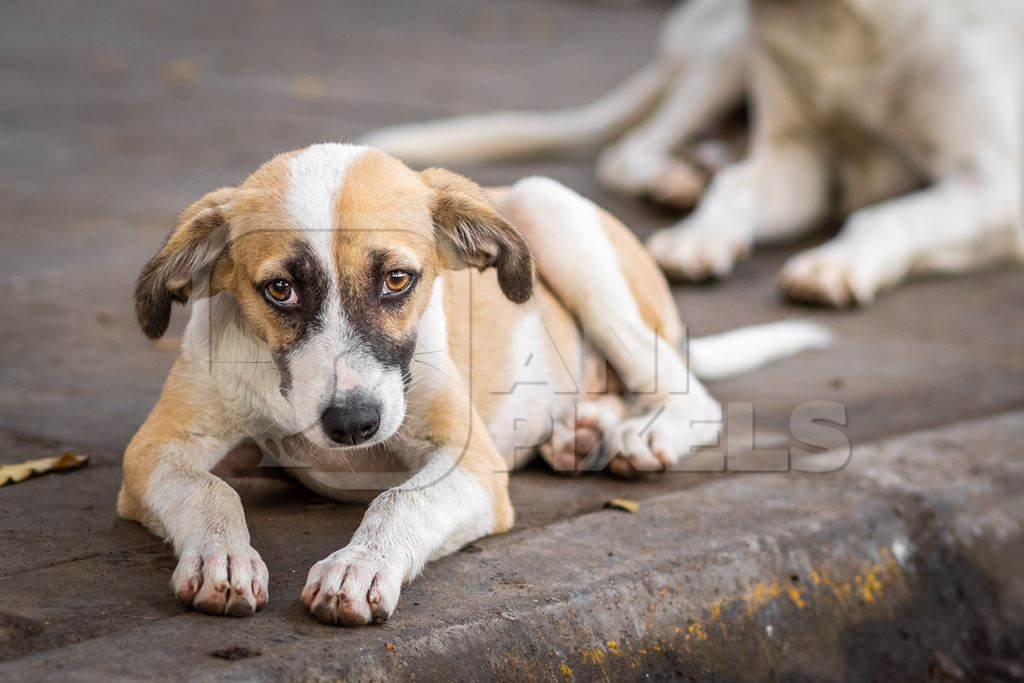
point(960, 223)
point(459, 495)
point(168, 487)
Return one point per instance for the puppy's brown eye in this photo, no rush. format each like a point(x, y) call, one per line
point(281, 292)
point(397, 281)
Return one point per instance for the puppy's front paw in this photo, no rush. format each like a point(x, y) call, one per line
point(222, 579)
point(352, 587)
point(697, 252)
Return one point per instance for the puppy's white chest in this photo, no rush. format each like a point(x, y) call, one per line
point(350, 476)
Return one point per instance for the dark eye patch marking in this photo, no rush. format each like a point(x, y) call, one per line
point(281, 362)
point(311, 281)
point(368, 313)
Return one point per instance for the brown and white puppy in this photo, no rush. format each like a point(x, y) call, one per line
point(376, 329)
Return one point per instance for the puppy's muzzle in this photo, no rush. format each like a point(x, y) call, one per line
point(352, 419)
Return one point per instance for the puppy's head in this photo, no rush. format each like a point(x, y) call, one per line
point(331, 254)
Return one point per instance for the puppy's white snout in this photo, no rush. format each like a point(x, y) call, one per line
point(351, 419)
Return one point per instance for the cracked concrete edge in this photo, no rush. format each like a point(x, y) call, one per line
point(911, 553)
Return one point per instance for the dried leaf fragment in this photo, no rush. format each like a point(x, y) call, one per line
point(624, 504)
point(309, 87)
point(12, 474)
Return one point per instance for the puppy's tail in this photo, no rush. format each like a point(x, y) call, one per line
point(731, 353)
point(503, 135)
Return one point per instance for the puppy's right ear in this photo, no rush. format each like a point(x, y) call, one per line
point(195, 244)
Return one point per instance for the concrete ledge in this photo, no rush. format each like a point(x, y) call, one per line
point(906, 563)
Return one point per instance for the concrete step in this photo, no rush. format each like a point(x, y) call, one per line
point(903, 565)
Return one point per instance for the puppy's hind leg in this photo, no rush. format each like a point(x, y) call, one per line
point(600, 273)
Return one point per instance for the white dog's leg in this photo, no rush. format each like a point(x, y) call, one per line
point(958, 224)
point(752, 201)
point(674, 413)
point(710, 83)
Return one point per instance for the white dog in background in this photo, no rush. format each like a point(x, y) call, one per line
point(906, 116)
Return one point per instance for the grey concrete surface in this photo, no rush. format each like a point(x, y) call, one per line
point(117, 115)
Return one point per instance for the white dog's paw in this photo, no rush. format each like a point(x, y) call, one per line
point(836, 273)
point(633, 170)
point(221, 579)
point(697, 252)
point(352, 587)
point(677, 184)
point(659, 438)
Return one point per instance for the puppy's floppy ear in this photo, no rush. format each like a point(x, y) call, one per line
point(195, 244)
point(471, 233)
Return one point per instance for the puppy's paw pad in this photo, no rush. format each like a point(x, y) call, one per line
point(570, 445)
point(352, 587)
point(222, 579)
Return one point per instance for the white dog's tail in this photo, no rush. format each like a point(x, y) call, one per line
point(501, 135)
point(731, 353)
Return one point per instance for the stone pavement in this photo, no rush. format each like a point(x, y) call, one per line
point(115, 118)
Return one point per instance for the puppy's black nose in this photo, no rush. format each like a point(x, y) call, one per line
point(352, 420)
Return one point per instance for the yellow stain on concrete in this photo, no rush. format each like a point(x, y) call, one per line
point(761, 595)
point(868, 585)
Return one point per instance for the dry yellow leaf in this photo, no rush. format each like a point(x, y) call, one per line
point(179, 74)
point(624, 504)
point(12, 474)
point(309, 87)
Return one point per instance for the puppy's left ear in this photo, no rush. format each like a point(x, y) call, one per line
point(194, 245)
point(471, 233)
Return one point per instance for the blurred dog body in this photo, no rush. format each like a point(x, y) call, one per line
point(904, 115)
